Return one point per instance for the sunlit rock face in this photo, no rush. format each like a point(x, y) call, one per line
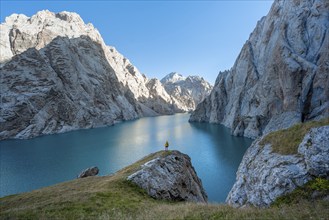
point(57, 75)
point(150, 93)
point(188, 91)
point(60, 88)
point(280, 76)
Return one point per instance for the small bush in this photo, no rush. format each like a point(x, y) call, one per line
point(320, 184)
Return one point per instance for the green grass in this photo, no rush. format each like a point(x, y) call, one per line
point(113, 197)
point(286, 141)
point(314, 190)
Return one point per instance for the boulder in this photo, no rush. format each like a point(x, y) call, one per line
point(315, 149)
point(170, 177)
point(92, 171)
point(264, 175)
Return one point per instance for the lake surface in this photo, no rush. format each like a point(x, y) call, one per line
point(43, 161)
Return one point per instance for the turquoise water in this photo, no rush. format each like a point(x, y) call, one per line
point(43, 161)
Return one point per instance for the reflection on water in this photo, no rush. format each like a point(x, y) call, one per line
point(38, 162)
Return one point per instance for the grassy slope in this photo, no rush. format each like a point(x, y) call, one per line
point(286, 141)
point(112, 197)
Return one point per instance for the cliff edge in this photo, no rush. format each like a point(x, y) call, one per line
point(280, 76)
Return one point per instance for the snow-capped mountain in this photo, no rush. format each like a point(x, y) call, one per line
point(188, 91)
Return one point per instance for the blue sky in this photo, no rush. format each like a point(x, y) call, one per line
point(159, 37)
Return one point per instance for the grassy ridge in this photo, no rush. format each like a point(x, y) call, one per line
point(286, 141)
point(113, 197)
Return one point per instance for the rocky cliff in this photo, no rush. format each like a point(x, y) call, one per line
point(55, 77)
point(57, 74)
point(170, 177)
point(188, 91)
point(264, 175)
point(280, 76)
point(60, 88)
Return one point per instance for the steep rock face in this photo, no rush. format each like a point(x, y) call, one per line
point(170, 177)
point(58, 75)
point(150, 94)
point(60, 88)
point(159, 99)
point(280, 76)
point(264, 175)
point(188, 91)
point(55, 77)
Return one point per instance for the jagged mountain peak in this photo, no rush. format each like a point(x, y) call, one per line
point(189, 90)
point(15, 18)
point(196, 79)
point(172, 77)
point(20, 32)
point(45, 16)
point(175, 77)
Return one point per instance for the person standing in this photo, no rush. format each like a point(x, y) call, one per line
point(166, 146)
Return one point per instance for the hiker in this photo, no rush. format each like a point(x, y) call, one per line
point(166, 145)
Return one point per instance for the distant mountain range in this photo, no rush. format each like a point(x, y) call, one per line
point(189, 91)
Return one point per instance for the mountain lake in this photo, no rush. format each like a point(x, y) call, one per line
point(34, 163)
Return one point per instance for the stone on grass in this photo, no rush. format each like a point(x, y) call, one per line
point(92, 171)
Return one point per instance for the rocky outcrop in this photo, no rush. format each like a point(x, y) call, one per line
point(264, 175)
point(92, 171)
point(170, 177)
point(188, 91)
point(57, 75)
point(280, 76)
